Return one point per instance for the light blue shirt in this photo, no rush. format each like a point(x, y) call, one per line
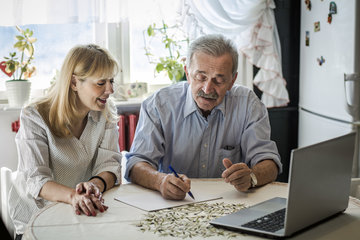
point(172, 131)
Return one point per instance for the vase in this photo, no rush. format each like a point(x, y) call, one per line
point(138, 89)
point(18, 92)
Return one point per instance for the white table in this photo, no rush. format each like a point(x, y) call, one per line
point(58, 221)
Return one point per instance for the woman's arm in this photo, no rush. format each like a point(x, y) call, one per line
point(87, 203)
point(97, 184)
point(107, 164)
point(109, 179)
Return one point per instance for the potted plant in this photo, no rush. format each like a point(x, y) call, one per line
point(173, 64)
point(18, 67)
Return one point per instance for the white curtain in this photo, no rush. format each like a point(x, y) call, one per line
point(251, 24)
point(21, 12)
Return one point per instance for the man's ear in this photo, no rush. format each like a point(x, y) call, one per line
point(187, 74)
point(73, 83)
point(233, 81)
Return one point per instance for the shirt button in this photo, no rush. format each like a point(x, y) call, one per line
point(205, 145)
point(203, 166)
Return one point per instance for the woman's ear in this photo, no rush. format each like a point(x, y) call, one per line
point(73, 83)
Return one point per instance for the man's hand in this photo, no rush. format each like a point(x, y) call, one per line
point(174, 188)
point(237, 175)
point(168, 185)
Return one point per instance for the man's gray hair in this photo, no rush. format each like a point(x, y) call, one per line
point(215, 45)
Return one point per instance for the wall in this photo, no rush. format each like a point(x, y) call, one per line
point(284, 120)
point(7, 138)
point(8, 157)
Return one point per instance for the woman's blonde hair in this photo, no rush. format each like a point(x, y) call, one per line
point(59, 106)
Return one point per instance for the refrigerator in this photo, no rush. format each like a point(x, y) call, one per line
point(329, 81)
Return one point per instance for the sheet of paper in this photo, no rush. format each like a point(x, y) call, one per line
point(152, 200)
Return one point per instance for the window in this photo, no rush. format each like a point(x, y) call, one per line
point(53, 43)
point(154, 11)
point(124, 40)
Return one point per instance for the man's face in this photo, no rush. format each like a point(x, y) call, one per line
point(209, 78)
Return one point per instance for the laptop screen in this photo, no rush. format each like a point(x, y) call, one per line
point(319, 181)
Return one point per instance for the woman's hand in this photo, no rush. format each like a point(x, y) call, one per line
point(88, 188)
point(85, 198)
point(87, 203)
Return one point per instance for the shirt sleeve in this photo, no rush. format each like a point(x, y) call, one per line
point(148, 143)
point(255, 143)
point(109, 156)
point(33, 152)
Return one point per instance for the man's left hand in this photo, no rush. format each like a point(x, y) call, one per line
point(237, 175)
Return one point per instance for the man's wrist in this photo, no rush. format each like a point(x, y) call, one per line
point(160, 179)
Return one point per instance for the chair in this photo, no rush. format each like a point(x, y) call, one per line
point(355, 188)
point(7, 179)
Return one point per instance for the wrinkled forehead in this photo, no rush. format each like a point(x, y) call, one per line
point(205, 63)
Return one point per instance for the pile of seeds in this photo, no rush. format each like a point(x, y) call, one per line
point(189, 221)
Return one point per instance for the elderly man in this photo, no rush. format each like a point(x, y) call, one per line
point(206, 127)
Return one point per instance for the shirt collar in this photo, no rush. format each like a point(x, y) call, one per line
point(95, 115)
point(190, 105)
point(221, 106)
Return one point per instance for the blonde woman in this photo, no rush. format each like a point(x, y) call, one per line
point(67, 141)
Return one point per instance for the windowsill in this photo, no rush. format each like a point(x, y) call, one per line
point(131, 105)
point(129, 102)
point(5, 107)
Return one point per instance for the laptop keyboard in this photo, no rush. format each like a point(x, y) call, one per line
point(271, 222)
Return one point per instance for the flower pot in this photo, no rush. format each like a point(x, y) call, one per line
point(18, 92)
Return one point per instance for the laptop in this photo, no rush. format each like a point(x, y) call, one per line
point(319, 188)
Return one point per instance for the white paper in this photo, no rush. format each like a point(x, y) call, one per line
point(152, 200)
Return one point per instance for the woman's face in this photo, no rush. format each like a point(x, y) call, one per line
point(92, 92)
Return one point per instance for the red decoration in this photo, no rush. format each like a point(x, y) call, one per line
point(127, 127)
point(3, 67)
point(15, 126)
point(329, 18)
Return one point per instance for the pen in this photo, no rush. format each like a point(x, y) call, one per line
point(176, 175)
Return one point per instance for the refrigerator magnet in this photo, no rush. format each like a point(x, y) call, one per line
point(307, 38)
point(321, 60)
point(329, 18)
point(308, 4)
point(332, 10)
point(317, 26)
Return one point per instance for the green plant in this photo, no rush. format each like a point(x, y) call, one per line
point(20, 68)
point(173, 64)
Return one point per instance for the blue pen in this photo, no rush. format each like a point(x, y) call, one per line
point(190, 194)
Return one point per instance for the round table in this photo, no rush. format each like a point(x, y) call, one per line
point(58, 220)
